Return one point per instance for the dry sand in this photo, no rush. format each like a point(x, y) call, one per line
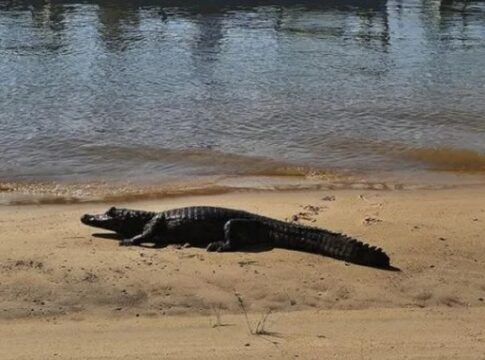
point(65, 294)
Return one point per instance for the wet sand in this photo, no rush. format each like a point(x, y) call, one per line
point(67, 294)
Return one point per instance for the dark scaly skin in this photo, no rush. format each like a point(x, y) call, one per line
point(222, 229)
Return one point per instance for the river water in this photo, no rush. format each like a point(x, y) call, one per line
point(132, 91)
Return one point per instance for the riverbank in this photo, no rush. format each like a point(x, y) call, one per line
point(59, 285)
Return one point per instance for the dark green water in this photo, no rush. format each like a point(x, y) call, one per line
point(100, 90)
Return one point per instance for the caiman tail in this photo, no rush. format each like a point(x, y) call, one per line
point(339, 246)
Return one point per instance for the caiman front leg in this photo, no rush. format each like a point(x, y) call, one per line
point(239, 233)
point(151, 232)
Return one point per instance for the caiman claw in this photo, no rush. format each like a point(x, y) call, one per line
point(126, 242)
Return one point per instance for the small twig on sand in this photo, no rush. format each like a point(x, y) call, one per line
point(217, 314)
point(243, 308)
point(260, 326)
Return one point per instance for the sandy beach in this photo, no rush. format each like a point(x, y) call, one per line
point(68, 294)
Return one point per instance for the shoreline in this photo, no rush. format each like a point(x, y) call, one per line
point(57, 278)
point(65, 192)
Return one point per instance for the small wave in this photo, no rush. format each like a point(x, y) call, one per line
point(448, 159)
point(212, 161)
point(63, 193)
point(248, 174)
point(438, 158)
point(25, 193)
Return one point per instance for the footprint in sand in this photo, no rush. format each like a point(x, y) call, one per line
point(372, 203)
point(368, 220)
point(308, 214)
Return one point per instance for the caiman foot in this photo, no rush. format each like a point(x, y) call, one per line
point(218, 246)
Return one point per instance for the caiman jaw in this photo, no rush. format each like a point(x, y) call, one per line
point(94, 220)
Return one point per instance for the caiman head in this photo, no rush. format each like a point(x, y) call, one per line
point(125, 222)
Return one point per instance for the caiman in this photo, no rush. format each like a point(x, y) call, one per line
point(221, 229)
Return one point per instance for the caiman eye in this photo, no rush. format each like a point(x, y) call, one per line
point(111, 211)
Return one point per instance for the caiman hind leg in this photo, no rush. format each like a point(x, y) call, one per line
point(151, 232)
point(239, 233)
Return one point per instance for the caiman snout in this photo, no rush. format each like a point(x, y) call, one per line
point(86, 219)
point(100, 220)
